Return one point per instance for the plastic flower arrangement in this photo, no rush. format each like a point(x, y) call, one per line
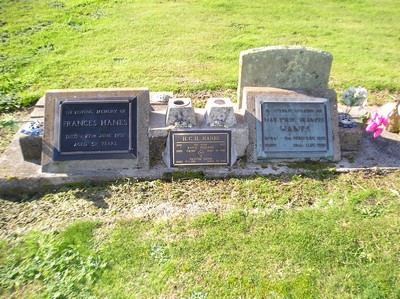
point(376, 124)
point(354, 96)
point(351, 97)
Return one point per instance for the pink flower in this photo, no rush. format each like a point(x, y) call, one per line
point(375, 123)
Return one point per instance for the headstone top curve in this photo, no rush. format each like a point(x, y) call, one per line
point(286, 67)
point(279, 48)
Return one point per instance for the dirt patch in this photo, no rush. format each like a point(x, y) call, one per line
point(110, 202)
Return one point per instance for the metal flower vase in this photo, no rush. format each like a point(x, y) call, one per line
point(346, 121)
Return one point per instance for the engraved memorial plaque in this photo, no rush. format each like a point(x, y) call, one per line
point(198, 148)
point(294, 128)
point(96, 128)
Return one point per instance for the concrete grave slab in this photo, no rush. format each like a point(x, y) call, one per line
point(286, 67)
point(55, 143)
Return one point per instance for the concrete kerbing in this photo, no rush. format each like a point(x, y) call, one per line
point(18, 176)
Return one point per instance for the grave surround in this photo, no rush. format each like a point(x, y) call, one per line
point(18, 175)
point(138, 158)
point(271, 78)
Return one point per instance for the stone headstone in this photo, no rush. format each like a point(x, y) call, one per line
point(285, 124)
point(96, 130)
point(284, 67)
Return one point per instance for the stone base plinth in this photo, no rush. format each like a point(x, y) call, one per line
point(350, 140)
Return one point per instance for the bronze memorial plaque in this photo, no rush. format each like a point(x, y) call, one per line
point(212, 147)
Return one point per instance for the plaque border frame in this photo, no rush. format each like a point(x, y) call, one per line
point(131, 152)
point(217, 131)
point(265, 155)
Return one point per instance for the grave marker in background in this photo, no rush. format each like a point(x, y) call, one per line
point(286, 67)
point(289, 109)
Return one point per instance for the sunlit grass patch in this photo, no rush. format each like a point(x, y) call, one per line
point(317, 234)
point(185, 45)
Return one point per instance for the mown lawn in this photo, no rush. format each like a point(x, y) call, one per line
point(317, 235)
point(186, 45)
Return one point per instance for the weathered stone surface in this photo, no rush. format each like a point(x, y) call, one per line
point(180, 113)
point(220, 113)
point(31, 146)
point(350, 140)
point(40, 103)
point(284, 67)
point(252, 116)
point(37, 113)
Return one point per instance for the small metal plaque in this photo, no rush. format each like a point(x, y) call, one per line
point(212, 147)
point(294, 128)
point(96, 128)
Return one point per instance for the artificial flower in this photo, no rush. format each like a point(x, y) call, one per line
point(354, 96)
point(375, 123)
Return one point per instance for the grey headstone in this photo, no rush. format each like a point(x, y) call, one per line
point(287, 124)
point(293, 67)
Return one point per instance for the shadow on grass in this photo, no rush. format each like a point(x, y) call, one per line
point(98, 192)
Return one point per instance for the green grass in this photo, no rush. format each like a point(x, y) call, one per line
point(185, 45)
point(331, 253)
point(320, 235)
point(314, 235)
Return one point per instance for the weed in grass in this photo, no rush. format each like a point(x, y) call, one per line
point(54, 265)
point(370, 202)
point(302, 252)
point(159, 253)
